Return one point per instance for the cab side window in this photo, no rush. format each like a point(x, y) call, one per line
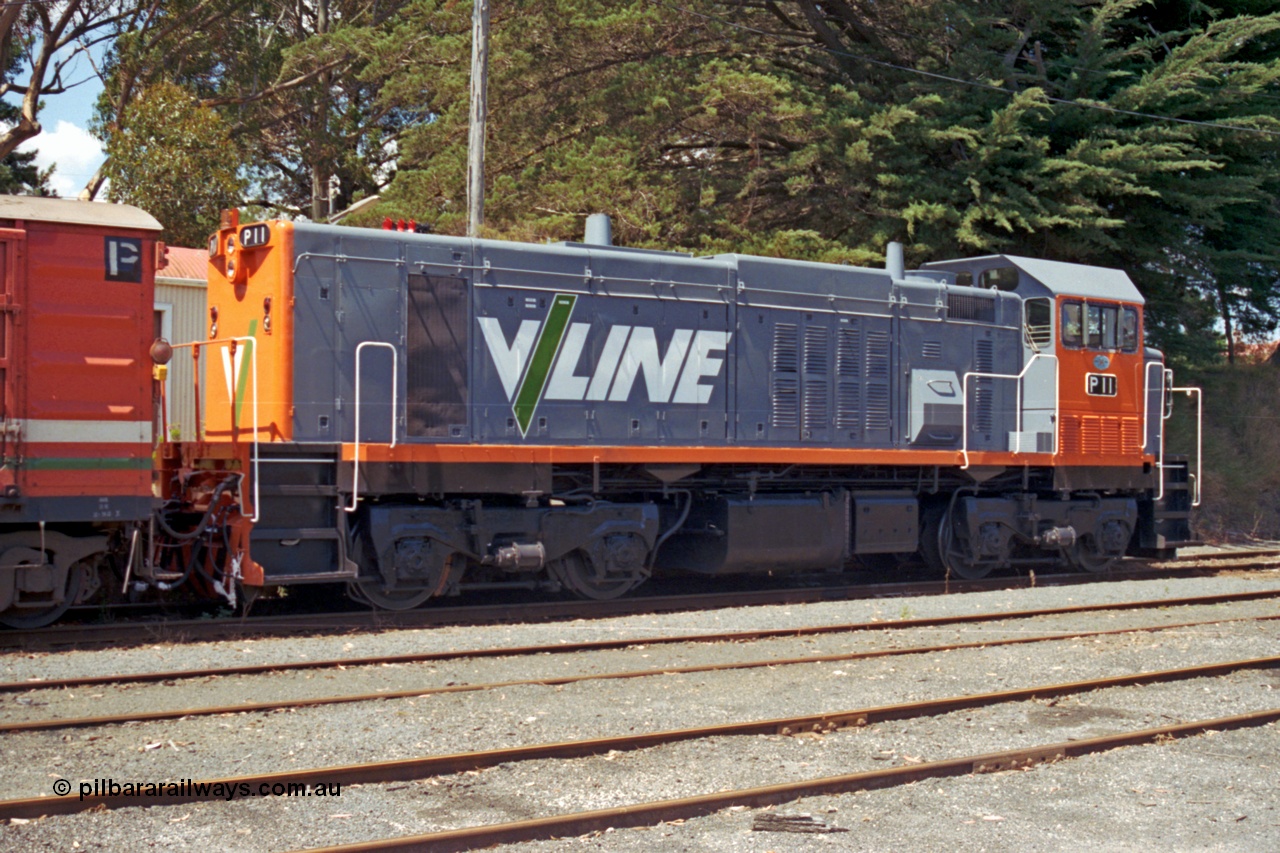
point(1100, 327)
point(1110, 325)
point(1071, 324)
point(1038, 319)
point(1129, 330)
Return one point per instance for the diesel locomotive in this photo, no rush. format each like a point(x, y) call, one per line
point(413, 415)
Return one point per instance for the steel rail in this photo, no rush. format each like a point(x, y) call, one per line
point(562, 680)
point(651, 813)
point(141, 633)
point(627, 642)
point(419, 768)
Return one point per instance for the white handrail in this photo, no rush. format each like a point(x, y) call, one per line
point(1017, 448)
point(395, 389)
point(1191, 392)
point(1146, 405)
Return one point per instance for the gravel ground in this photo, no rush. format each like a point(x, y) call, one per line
point(1201, 794)
point(27, 665)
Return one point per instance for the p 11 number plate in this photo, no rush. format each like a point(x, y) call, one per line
point(1100, 384)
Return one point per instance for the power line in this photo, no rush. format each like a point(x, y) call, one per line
point(974, 83)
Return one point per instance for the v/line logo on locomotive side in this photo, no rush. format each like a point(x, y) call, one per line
point(530, 370)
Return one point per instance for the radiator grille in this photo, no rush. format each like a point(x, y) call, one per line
point(786, 357)
point(877, 407)
point(1101, 434)
point(963, 306)
point(984, 361)
point(817, 407)
point(848, 361)
point(815, 350)
point(786, 403)
point(848, 406)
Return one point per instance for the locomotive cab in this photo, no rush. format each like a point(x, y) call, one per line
point(1094, 398)
point(1085, 371)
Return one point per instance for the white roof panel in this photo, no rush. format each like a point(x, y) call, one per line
point(76, 212)
point(1080, 279)
point(1057, 277)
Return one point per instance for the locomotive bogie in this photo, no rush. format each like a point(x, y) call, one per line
point(997, 532)
point(599, 549)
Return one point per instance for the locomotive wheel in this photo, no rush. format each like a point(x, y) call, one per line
point(937, 546)
point(578, 575)
point(35, 617)
point(1086, 555)
point(373, 593)
point(410, 566)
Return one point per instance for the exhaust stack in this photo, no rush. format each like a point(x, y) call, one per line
point(893, 261)
point(599, 230)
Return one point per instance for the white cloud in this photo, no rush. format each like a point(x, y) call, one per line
point(76, 153)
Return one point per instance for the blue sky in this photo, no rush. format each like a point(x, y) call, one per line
point(65, 139)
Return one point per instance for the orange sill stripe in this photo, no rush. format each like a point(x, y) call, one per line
point(614, 454)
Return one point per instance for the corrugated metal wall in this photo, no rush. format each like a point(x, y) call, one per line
point(182, 302)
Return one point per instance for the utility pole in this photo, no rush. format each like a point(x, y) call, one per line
point(479, 115)
point(319, 197)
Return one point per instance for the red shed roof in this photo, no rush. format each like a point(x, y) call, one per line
point(186, 264)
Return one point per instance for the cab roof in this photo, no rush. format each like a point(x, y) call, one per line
point(1037, 277)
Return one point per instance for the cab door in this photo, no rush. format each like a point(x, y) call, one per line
point(1040, 380)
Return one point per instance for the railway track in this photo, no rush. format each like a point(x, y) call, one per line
point(137, 632)
point(382, 696)
point(170, 677)
point(685, 808)
point(395, 771)
point(933, 715)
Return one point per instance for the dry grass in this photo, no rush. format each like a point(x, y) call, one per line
point(1241, 489)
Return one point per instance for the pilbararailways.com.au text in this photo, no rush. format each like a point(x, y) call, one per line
point(192, 788)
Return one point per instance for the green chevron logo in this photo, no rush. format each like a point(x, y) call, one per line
point(544, 355)
point(553, 359)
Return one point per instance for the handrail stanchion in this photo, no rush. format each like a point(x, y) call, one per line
point(395, 389)
point(964, 404)
point(252, 345)
point(1192, 391)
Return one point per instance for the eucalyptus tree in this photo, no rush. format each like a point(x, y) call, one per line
point(43, 51)
point(296, 84)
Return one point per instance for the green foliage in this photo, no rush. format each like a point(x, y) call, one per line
point(298, 89)
point(19, 175)
point(1139, 134)
point(175, 159)
point(806, 129)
